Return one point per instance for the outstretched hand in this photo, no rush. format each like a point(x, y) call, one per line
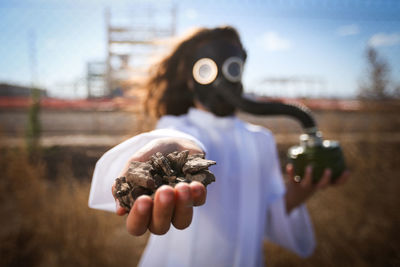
point(299, 191)
point(170, 205)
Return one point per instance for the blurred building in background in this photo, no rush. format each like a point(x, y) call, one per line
point(134, 37)
point(293, 86)
point(11, 90)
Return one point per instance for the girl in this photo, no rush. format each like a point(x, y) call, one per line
point(249, 200)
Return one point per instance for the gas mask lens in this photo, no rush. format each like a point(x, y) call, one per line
point(205, 71)
point(232, 69)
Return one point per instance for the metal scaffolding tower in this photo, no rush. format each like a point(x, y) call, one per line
point(133, 37)
point(131, 46)
point(95, 78)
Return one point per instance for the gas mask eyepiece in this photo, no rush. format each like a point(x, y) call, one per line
point(232, 69)
point(205, 70)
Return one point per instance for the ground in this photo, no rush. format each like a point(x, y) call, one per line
point(46, 222)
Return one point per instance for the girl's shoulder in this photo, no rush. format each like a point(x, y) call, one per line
point(254, 128)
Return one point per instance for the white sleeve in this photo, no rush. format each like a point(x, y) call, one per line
point(292, 231)
point(109, 166)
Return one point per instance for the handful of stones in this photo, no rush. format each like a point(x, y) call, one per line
point(143, 178)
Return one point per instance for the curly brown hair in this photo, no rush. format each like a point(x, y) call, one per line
point(167, 86)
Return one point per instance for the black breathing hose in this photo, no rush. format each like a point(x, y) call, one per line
point(313, 150)
point(297, 111)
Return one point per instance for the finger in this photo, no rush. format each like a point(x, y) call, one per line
point(289, 169)
point(139, 217)
point(343, 178)
point(163, 208)
point(199, 193)
point(183, 211)
point(290, 172)
point(307, 179)
point(119, 210)
point(325, 179)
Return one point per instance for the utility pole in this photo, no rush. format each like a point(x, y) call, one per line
point(33, 128)
point(32, 58)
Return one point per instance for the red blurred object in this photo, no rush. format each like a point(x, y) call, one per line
point(76, 104)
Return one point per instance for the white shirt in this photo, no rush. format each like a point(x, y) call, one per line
point(244, 205)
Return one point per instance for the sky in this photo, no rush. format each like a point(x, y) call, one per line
point(319, 45)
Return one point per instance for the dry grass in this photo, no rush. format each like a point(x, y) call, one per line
point(46, 222)
point(356, 224)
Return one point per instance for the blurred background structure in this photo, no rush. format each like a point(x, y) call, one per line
point(77, 49)
point(69, 91)
point(130, 47)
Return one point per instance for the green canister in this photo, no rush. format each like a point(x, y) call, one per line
point(318, 153)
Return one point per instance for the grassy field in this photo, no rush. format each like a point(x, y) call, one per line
point(356, 224)
point(45, 220)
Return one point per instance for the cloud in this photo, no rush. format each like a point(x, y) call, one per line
point(271, 41)
point(384, 39)
point(348, 30)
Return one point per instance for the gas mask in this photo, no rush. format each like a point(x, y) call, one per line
point(218, 66)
